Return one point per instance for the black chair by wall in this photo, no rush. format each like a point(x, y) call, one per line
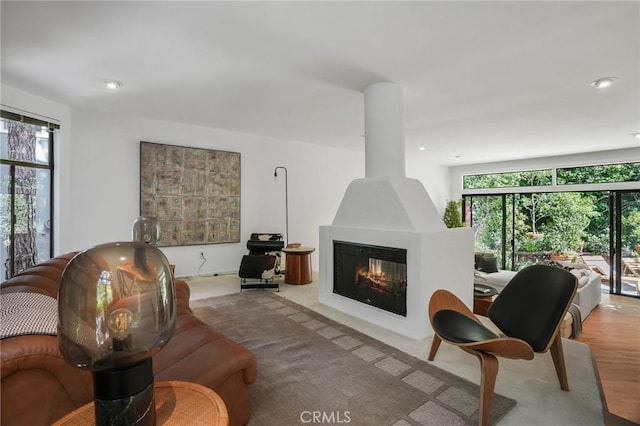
point(528, 311)
point(263, 261)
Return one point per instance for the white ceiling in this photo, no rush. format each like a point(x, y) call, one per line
point(484, 80)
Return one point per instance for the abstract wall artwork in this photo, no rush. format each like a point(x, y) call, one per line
point(194, 192)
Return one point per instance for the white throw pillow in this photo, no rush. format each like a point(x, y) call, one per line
point(583, 281)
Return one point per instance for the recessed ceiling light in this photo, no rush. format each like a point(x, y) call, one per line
point(421, 148)
point(603, 82)
point(112, 84)
point(636, 135)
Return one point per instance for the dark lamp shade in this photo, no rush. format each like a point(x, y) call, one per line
point(116, 306)
point(146, 229)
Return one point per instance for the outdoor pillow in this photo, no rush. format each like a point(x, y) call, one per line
point(488, 264)
point(583, 281)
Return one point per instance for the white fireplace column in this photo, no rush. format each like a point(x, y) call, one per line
point(384, 131)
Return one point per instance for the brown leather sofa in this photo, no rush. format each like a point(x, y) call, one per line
point(39, 387)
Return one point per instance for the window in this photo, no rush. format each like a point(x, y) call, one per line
point(610, 173)
point(597, 228)
point(26, 192)
point(508, 179)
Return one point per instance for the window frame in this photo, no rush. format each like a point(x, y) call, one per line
point(51, 129)
point(554, 187)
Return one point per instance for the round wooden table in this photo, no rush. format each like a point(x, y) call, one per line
point(298, 265)
point(483, 299)
point(177, 403)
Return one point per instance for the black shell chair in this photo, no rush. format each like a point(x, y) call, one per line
point(528, 311)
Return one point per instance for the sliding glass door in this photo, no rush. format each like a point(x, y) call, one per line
point(600, 229)
point(526, 228)
point(486, 216)
point(625, 240)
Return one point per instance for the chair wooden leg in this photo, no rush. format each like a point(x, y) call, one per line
point(435, 345)
point(489, 369)
point(557, 355)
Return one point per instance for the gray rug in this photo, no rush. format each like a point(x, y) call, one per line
point(312, 369)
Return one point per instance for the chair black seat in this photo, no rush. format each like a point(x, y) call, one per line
point(456, 327)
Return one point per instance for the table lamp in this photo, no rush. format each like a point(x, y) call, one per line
point(113, 316)
point(146, 229)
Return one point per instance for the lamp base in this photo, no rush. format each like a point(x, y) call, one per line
point(136, 410)
point(125, 397)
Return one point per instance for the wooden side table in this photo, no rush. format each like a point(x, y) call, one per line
point(482, 301)
point(177, 403)
point(481, 305)
point(298, 265)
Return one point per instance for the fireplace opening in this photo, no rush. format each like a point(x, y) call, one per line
point(371, 274)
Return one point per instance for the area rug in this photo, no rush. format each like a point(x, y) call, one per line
point(312, 370)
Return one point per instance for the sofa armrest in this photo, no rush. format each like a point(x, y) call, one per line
point(31, 366)
point(183, 294)
point(588, 296)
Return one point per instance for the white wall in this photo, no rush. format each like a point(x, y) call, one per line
point(434, 177)
point(98, 165)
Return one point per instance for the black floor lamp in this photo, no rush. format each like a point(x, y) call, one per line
point(286, 200)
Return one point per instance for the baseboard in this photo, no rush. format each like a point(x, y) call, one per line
point(209, 275)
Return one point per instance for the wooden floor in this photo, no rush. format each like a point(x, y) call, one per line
point(613, 332)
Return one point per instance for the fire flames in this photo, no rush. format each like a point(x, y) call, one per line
point(375, 277)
